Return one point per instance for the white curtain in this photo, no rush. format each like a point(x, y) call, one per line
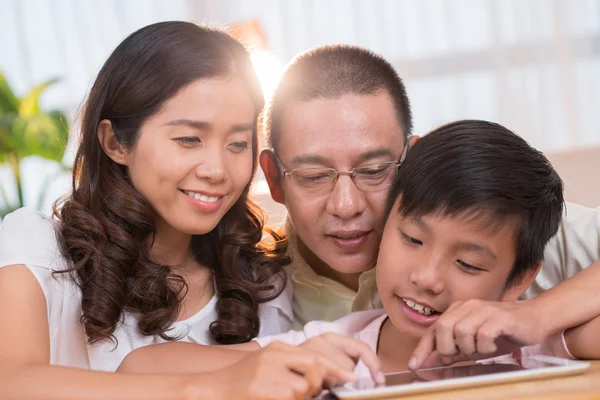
point(533, 65)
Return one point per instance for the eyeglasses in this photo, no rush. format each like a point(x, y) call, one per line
point(367, 178)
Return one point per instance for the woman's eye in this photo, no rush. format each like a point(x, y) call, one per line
point(188, 140)
point(411, 240)
point(468, 267)
point(239, 146)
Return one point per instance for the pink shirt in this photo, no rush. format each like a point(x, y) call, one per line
point(365, 326)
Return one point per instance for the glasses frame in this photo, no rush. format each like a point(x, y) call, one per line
point(351, 173)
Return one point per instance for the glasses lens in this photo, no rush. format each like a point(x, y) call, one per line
point(376, 176)
point(314, 179)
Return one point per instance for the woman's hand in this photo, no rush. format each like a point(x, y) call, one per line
point(345, 352)
point(278, 371)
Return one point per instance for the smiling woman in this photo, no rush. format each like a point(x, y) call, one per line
point(158, 240)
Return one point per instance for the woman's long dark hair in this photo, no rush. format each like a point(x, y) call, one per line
point(107, 225)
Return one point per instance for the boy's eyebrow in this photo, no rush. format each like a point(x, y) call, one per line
point(476, 248)
point(420, 223)
point(465, 246)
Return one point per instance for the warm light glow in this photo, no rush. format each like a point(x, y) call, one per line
point(269, 70)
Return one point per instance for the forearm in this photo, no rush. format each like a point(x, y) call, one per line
point(183, 358)
point(45, 382)
point(572, 302)
point(583, 341)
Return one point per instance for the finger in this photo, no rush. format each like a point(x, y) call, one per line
point(300, 387)
point(487, 334)
point(337, 355)
point(301, 360)
point(423, 351)
point(445, 340)
point(360, 350)
point(465, 332)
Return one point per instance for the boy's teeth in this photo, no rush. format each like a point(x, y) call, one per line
point(201, 197)
point(418, 307)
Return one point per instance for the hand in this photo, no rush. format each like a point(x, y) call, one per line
point(344, 352)
point(477, 329)
point(278, 371)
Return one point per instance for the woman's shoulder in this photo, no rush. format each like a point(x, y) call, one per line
point(28, 236)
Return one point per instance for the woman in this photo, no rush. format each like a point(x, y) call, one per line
point(158, 240)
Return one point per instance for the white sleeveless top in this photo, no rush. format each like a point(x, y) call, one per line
point(28, 237)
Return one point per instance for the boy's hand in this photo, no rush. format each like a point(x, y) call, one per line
point(478, 329)
point(344, 352)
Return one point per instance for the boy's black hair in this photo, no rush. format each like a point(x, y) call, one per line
point(481, 168)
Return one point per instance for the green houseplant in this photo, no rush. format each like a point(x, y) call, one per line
point(26, 130)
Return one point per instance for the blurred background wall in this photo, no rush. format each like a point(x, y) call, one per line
point(532, 65)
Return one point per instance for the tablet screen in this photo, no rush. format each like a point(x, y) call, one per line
point(470, 372)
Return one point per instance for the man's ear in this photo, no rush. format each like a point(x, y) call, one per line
point(110, 144)
point(412, 140)
point(517, 288)
point(272, 172)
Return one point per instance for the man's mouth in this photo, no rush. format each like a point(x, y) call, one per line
point(421, 309)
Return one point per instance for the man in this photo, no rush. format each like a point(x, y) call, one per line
point(339, 108)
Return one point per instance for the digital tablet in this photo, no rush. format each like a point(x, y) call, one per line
point(462, 376)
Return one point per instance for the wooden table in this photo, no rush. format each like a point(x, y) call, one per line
point(578, 387)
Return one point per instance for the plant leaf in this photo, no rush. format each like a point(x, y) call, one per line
point(44, 134)
point(8, 100)
point(30, 104)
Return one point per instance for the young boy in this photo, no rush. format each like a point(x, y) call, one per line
point(468, 218)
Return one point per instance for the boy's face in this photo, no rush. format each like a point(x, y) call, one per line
point(430, 262)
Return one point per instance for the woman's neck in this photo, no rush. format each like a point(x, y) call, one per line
point(171, 247)
point(394, 348)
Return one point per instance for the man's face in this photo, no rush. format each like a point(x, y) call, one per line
point(341, 226)
point(425, 264)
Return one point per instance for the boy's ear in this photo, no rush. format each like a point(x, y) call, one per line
point(110, 144)
point(516, 289)
point(272, 172)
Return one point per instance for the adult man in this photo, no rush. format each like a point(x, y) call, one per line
point(338, 108)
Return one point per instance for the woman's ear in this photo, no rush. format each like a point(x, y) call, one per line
point(517, 288)
point(110, 144)
point(270, 167)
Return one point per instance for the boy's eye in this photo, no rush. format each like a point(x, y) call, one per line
point(188, 140)
point(239, 146)
point(468, 267)
point(411, 240)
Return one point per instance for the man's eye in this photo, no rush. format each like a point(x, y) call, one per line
point(411, 240)
point(315, 178)
point(468, 267)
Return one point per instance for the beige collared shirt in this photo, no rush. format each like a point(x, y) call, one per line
point(575, 247)
point(316, 297)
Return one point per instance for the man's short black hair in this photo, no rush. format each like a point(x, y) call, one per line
point(330, 72)
point(478, 168)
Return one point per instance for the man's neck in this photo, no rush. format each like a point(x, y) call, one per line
point(394, 348)
point(321, 268)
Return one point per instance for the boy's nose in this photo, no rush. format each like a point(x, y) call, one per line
point(427, 276)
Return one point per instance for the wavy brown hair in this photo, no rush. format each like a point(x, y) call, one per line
point(107, 227)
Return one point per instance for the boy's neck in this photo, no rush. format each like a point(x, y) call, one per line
point(394, 348)
point(323, 269)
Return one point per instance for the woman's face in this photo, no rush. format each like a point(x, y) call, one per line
point(194, 157)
